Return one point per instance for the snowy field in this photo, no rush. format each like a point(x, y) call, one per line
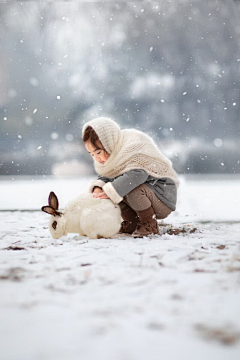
point(172, 296)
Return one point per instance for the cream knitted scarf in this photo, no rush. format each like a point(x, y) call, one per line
point(129, 149)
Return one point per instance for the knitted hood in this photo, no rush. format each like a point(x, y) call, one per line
point(107, 130)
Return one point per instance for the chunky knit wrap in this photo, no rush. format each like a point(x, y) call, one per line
point(129, 149)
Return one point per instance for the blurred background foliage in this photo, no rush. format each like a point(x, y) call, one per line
point(168, 68)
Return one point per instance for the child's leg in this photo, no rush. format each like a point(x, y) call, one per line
point(130, 218)
point(148, 207)
point(142, 198)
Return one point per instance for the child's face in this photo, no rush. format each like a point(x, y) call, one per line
point(97, 153)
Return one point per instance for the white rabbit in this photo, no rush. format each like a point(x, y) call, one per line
point(85, 215)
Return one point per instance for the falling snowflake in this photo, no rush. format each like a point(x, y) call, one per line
point(54, 136)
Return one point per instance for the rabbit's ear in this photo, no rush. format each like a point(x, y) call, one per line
point(48, 210)
point(53, 200)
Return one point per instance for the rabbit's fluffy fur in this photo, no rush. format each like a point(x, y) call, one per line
point(88, 216)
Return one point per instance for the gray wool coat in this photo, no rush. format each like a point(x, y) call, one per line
point(164, 188)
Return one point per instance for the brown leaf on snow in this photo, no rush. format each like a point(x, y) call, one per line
point(221, 247)
point(87, 264)
point(178, 231)
point(225, 335)
point(15, 248)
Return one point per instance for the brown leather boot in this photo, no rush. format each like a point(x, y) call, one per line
point(147, 224)
point(130, 219)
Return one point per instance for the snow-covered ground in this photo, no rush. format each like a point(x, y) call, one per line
point(168, 296)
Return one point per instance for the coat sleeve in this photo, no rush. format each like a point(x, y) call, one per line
point(100, 182)
point(124, 183)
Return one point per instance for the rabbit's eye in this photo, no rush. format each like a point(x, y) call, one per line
point(54, 225)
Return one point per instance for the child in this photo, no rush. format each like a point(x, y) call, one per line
point(132, 173)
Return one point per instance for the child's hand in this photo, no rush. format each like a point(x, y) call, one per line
point(101, 195)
